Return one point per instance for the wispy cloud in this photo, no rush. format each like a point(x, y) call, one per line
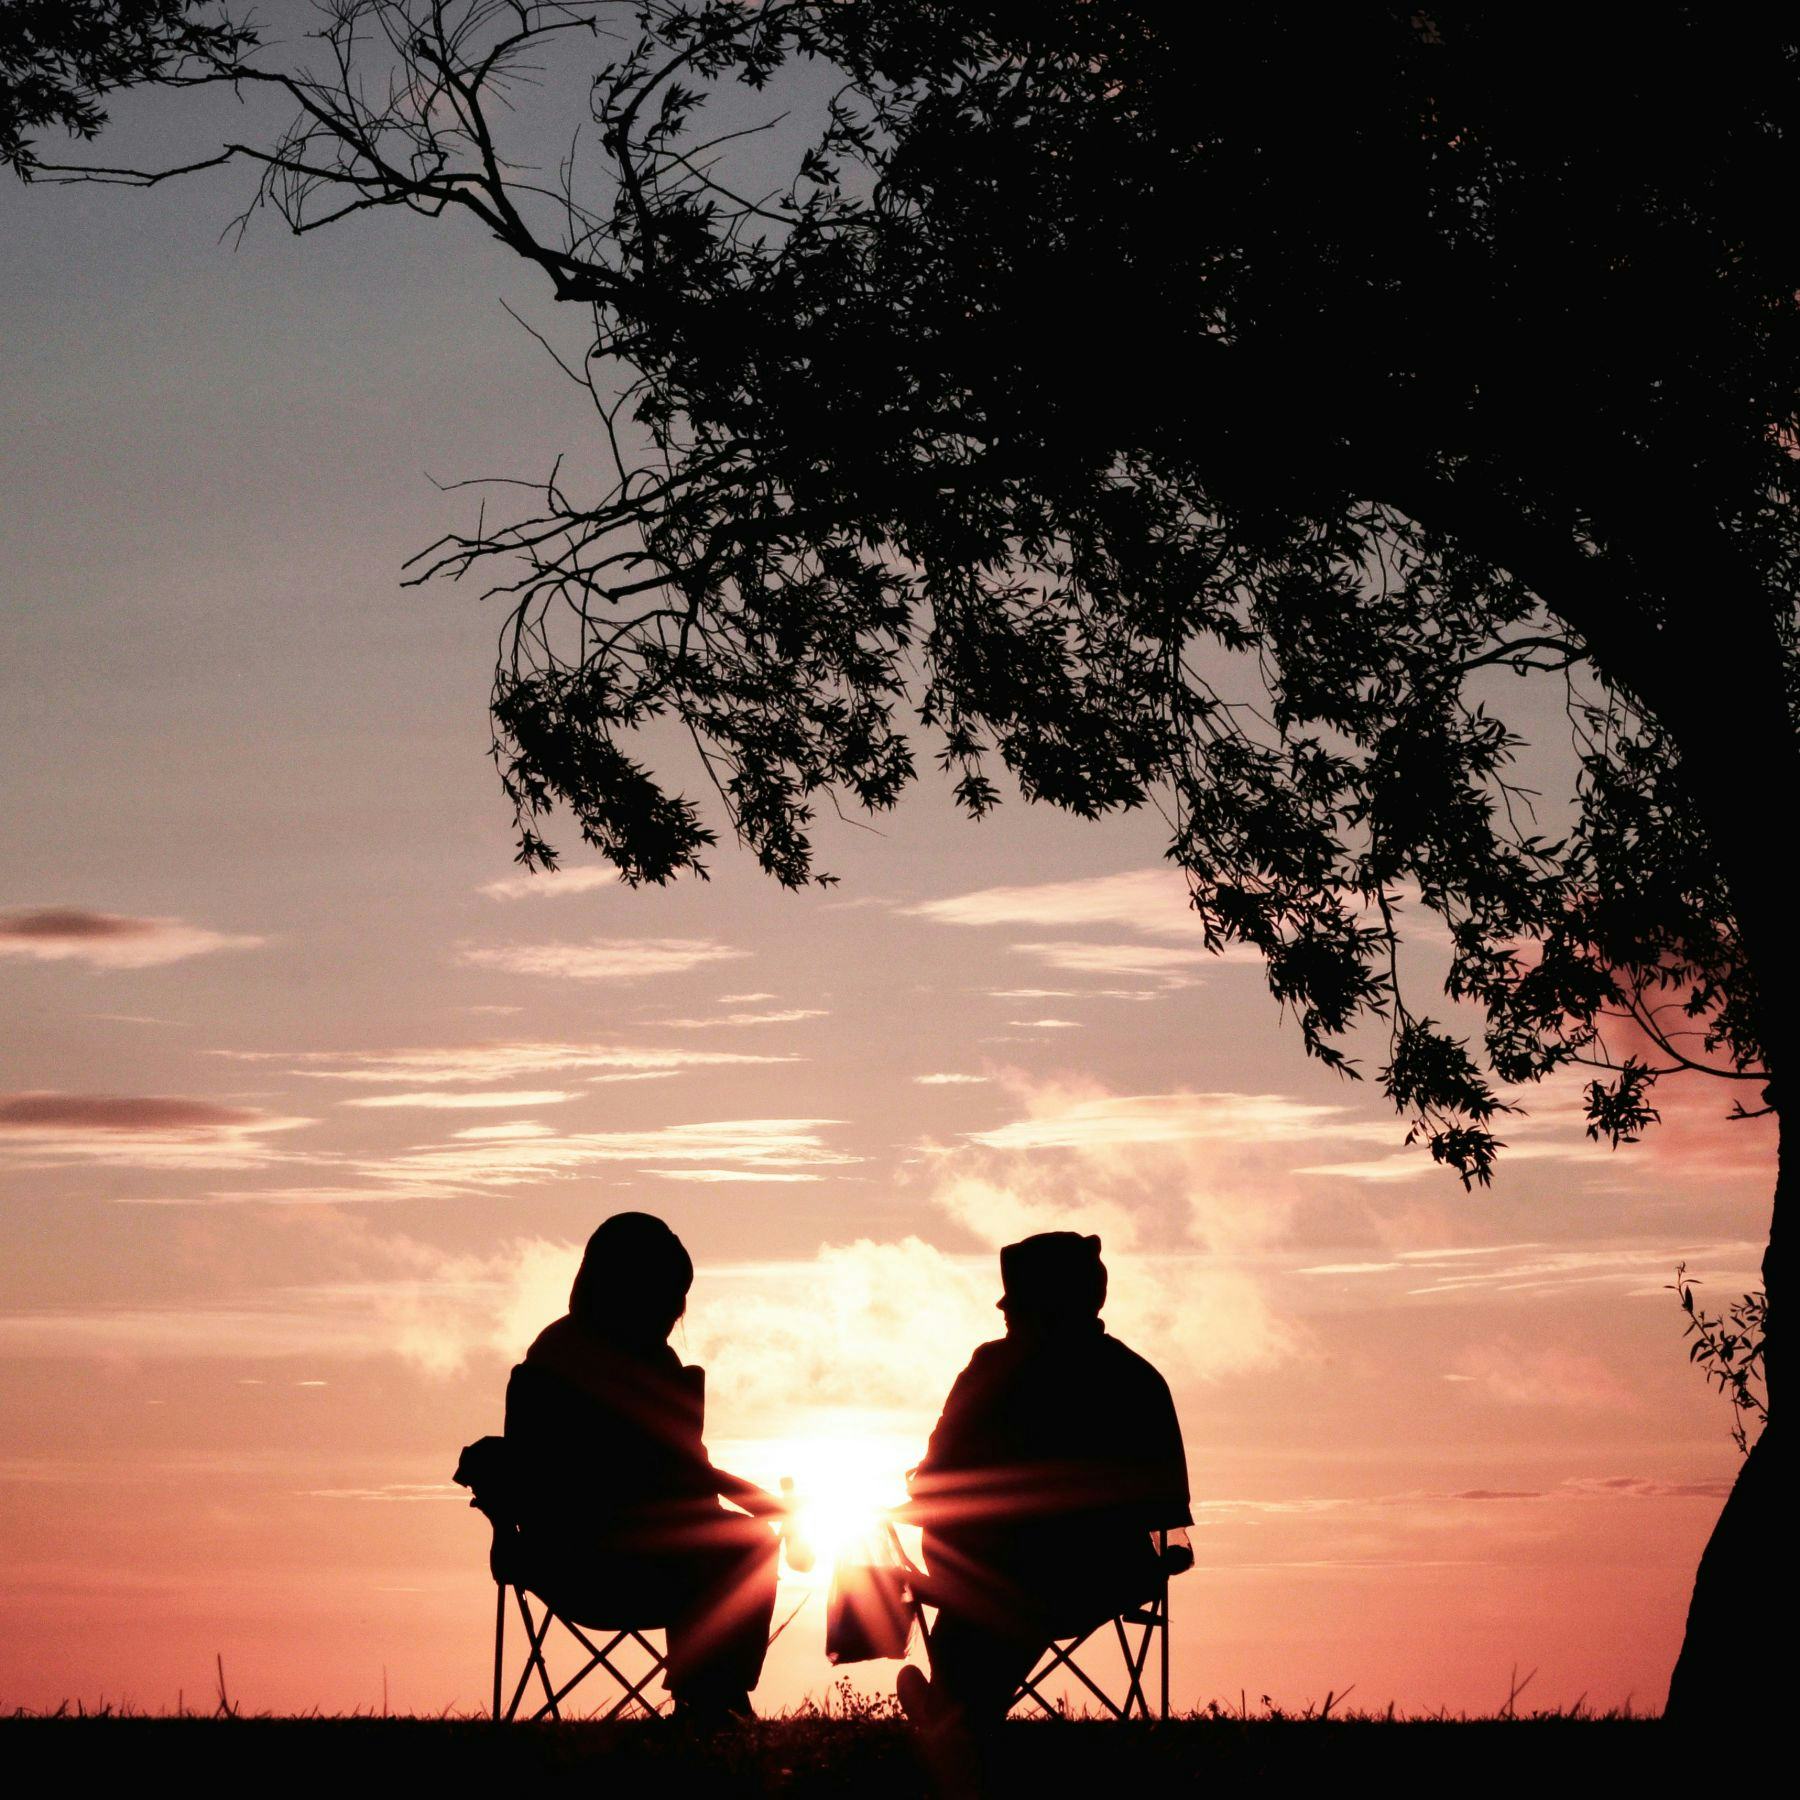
point(602, 959)
point(1089, 993)
point(392, 1491)
point(1167, 963)
point(525, 1152)
point(1643, 1487)
point(1148, 900)
point(47, 1111)
point(489, 1063)
point(1414, 1165)
point(261, 1326)
point(549, 887)
point(1060, 1119)
point(108, 940)
point(711, 1175)
point(507, 1156)
point(1528, 1375)
point(952, 1080)
point(1637, 1268)
point(1046, 1024)
point(311, 1194)
point(137, 1131)
point(431, 1101)
point(789, 1017)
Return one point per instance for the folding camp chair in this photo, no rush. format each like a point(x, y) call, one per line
point(486, 1469)
point(1148, 1620)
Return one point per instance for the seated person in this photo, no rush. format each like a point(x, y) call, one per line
point(614, 1496)
point(1057, 1455)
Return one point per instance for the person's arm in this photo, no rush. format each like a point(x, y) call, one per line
point(938, 1485)
point(757, 1501)
point(1171, 1474)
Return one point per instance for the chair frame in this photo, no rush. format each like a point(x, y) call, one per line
point(1150, 1621)
point(599, 1657)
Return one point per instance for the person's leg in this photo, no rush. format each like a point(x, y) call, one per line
point(987, 1634)
point(975, 1668)
point(719, 1632)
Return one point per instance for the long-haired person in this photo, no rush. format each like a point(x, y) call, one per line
point(618, 1502)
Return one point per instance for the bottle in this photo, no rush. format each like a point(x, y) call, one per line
point(800, 1556)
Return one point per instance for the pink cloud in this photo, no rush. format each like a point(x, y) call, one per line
point(39, 1112)
point(604, 959)
point(435, 1101)
point(1167, 963)
point(790, 1016)
point(1516, 1374)
point(107, 940)
point(549, 887)
point(486, 1063)
point(158, 1131)
point(1153, 900)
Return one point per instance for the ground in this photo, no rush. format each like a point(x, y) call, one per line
point(869, 1758)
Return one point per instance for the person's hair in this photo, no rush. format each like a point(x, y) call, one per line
point(633, 1280)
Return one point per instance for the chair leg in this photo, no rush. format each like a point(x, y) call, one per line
point(1063, 1655)
point(1151, 1623)
point(600, 1657)
point(1028, 1689)
point(634, 1690)
point(1133, 1694)
point(535, 1633)
point(1163, 1626)
point(499, 1643)
point(1136, 1661)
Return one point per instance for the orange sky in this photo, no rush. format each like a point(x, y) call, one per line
point(304, 1109)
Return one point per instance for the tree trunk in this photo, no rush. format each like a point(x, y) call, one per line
point(1733, 1651)
point(1730, 1663)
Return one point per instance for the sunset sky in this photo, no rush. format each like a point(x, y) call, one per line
point(307, 1099)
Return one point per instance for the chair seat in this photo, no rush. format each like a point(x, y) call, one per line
point(602, 1618)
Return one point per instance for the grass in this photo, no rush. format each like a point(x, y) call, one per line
point(862, 1750)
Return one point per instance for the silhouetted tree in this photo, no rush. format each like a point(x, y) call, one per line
point(1195, 406)
point(57, 57)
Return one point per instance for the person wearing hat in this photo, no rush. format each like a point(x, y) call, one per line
point(1057, 1455)
point(618, 1508)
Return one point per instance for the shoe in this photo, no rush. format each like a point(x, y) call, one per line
point(912, 1688)
point(945, 1742)
point(716, 1712)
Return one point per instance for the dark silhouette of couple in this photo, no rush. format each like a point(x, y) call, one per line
point(1057, 1456)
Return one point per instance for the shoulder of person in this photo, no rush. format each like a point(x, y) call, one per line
point(555, 1344)
point(1129, 1362)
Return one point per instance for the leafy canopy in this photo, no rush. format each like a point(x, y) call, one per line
point(57, 57)
point(1179, 406)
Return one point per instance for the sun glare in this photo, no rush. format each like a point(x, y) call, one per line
point(843, 1485)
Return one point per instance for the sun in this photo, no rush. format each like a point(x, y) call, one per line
point(843, 1485)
